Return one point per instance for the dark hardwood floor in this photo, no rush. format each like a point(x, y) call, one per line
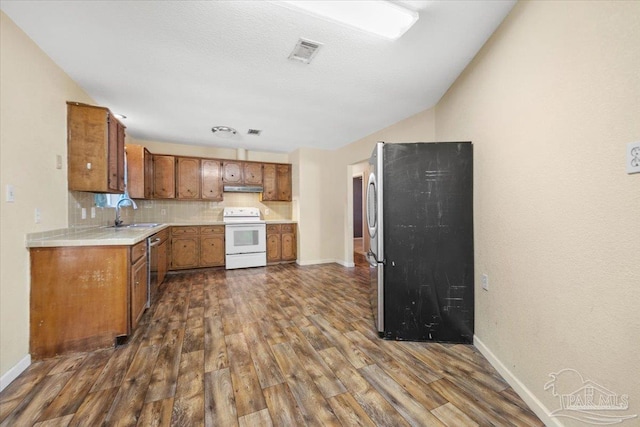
point(282, 345)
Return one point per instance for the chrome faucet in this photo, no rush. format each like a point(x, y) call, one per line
point(118, 221)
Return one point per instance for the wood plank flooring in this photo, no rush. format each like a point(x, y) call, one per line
point(282, 345)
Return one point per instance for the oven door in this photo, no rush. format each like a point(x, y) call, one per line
point(245, 238)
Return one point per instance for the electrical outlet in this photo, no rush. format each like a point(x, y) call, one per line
point(58, 161)
point(633, 157)
point(163, 211)
point(37, 216)
point(83, 213)
point(93, 212)
point(484, 279)
point(267, 211)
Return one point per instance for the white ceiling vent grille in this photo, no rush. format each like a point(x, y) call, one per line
point(254, 132)
point(305, 51)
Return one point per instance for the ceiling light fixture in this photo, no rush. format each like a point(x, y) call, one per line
point(223, 131)
point(120, 116)
point(379, 17)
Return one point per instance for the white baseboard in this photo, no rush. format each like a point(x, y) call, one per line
point(327, 261)
point(345, 263)
point(529, 397)
point(316, 261)
point(13, 373)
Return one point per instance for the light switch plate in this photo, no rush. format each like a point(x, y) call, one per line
point(633, 157)
point(11, 194)
point(485, 282)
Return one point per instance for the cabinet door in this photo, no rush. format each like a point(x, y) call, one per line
point(232, 172)
point(115, 157)
point(188, 178)
point(138, 290)
point(269, 182)
point(164, 172)
point(148, 174)
point(252, 173)
point(284, 182)
point(139, 172)
point(289, 243)
point(212, 180)
point(185, 252)
point(274, 249)
point(95, 149)
point(212, 250)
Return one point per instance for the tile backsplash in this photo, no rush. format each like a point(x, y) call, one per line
point(170, 210)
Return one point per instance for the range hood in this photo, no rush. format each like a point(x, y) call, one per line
point(243, 188)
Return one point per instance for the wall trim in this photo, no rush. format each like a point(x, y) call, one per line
point(13, 372)
point(527, 395)
point(316, 261)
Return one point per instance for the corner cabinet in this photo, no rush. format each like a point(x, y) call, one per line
point(281, 243)
point(95, 149)
point(85, 297)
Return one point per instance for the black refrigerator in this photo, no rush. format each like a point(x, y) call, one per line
point(419, 210)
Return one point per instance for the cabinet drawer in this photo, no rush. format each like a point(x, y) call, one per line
point(163, 235)
point(273, 229)
point(212, 229)
point(138, 251)
point(288, 228)
point(181, 231)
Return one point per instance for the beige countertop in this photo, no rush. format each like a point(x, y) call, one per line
point(109, 236)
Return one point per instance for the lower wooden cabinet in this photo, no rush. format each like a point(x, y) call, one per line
point(212, 252)
point(197, 246)
point(84, 297)
point(281, 243)
point(138, 282)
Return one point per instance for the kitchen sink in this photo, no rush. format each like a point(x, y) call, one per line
point(137, 225)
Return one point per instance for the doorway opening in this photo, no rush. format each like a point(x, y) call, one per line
point(359, 244)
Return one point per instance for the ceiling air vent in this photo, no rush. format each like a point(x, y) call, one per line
point(305, 51)
point(254, 132)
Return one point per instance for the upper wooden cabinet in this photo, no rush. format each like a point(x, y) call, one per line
point(139, 172)
point(95, 149)
point(232, 172)
point(211, 180)
point(235, 172)
point(276, 182)
point(188, 178)
point(252, 173)
point(164, 177)
point(194, 178)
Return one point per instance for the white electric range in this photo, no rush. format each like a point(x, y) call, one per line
point(245, 238)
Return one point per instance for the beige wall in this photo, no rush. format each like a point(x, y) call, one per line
point(323, 190)
point(33, 92)
point(550, 103)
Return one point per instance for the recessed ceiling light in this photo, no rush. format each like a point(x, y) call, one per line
point(379, 17)
point(223, 131)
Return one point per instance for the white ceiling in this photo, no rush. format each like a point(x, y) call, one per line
point(177, 68)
